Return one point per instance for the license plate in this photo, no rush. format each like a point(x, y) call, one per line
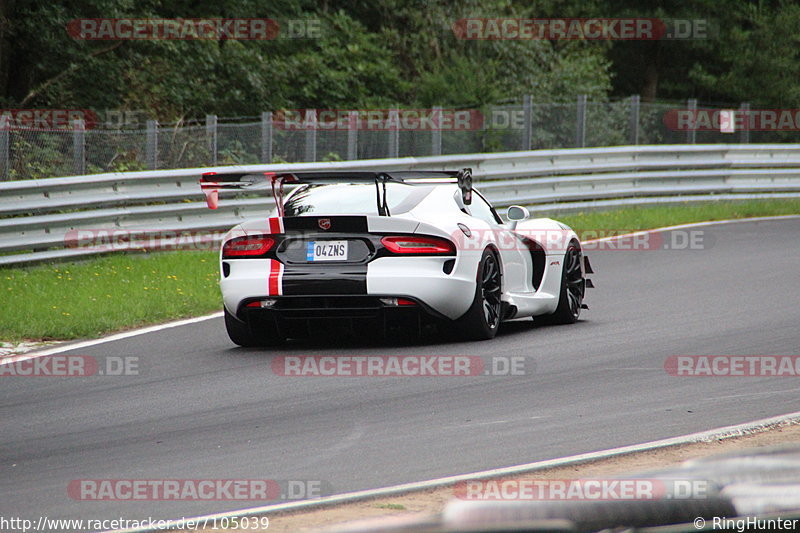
point(326, 251)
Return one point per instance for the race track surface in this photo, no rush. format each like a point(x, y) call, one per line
point(202, 408)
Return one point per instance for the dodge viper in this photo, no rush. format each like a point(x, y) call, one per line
point(374, 250)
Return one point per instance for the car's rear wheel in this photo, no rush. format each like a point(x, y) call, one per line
point(573, 287)
point(482, 320)
point(246, 335)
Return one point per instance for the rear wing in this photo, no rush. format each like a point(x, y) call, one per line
point(213, 182)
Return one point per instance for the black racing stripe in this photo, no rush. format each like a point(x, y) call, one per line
point(334, 224)
point(316, 280)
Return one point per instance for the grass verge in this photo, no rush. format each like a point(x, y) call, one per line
point(116, 292)
point(89, 298)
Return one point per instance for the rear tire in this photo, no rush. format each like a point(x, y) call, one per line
point(482, 320)
point(242, 334)
point(573, 288)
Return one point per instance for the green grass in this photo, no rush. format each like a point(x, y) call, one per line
point(393, 506)
point(86, 299)
point(97, 296)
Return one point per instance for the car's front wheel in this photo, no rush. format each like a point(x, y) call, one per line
point(242, 333)
point(482, 320)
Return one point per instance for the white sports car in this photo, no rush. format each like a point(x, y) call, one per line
point(374, 250)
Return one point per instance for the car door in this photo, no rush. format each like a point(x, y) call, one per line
point(514, 255)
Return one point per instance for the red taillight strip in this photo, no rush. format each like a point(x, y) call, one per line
point(418, 244)
point(247, 246)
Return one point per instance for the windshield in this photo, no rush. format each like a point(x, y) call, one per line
point(352, 199)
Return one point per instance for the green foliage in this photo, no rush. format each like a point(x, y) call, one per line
point(36, 155)
point(364, 55)
point(377, 54)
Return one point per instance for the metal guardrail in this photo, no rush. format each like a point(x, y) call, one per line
point(36, 216)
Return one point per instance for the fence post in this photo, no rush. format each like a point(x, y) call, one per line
point(352, 135)
point(266, 137)
point(311, 134)
point(394, 133)
point(744, 133)
point(527, 114)
point(151, 145)
point(211, 133)
point(634, 120)
point(580, 127)
point(5, 168)
point(436, 132)
point(691, 134)
point(79, 147)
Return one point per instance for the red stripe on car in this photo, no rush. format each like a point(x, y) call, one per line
point(275, 225)
point(275, 287)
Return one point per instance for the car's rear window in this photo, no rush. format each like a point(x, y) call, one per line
point(352, 199)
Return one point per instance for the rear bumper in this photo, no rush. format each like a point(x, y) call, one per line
point(423, 279)
point(303, 315)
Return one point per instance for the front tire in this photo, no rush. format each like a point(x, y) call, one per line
point(242, 334)
point(482, 320)
point(573, 288)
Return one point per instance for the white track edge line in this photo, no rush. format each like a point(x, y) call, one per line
point(721, 433)
point(69, 346)
point(151, 329)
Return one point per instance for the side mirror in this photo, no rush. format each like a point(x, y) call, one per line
point(516, 213)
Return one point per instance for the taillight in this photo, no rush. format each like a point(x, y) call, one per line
point(397, 302)
point(417, 244)
point(247, 246)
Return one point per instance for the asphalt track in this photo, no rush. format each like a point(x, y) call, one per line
point(201, 408)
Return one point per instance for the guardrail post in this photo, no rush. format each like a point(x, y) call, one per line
point(310, 124)
point(394, 133)
point(352, 135)
point(5, 167)
point(79, 147)
point(580, 127)
point(527, 116)
point(634, 120)
point(691, 134)
point(151, 145)
point(211, 133)
point(266, 137)
point(436, 132)
point(744, 133)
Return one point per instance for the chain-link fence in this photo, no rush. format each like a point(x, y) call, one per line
point(312, 135)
